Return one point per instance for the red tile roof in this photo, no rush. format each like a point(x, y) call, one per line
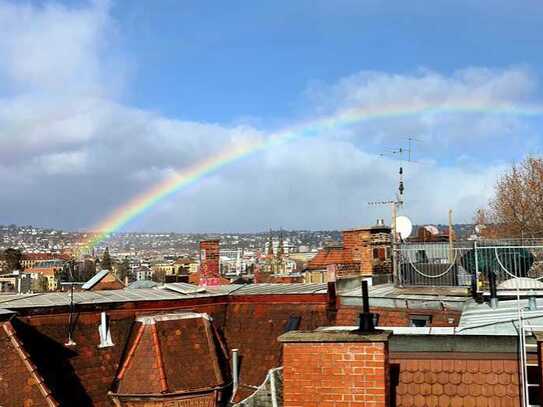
point(21, 383)
point(329, 256)
point(172, 354)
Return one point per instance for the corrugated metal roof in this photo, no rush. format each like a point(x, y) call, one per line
point(389, 296)
point(91, 297)
point(522, 283)
point(154, 294)
point(269, 288)
point(143, 284)
point(503, 320)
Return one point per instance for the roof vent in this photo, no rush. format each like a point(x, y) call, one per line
point(104, 331)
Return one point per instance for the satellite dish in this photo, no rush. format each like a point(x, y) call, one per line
point(404, 226)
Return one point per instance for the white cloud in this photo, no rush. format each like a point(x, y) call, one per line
point(64, 133)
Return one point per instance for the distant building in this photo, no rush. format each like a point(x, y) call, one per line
point(142, 273)
point(50, 270)
point(430, 233)
point(363, 252)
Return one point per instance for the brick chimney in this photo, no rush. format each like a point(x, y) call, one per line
point(335, 369)
point(209, 261)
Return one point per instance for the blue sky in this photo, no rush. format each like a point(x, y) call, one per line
point(100, 100)
point(224, 61)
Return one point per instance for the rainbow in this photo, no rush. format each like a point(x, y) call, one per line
point(232, 153)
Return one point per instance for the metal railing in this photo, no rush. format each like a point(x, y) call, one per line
point(467, 263)
point(268, 394)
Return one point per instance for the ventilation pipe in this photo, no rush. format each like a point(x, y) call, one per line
point(366, 317)
point(104, 331)
point(235, 372)
point(493, 290)
point(532, 302)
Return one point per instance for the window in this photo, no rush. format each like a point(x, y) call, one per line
point(534, 383)
point(420, 321)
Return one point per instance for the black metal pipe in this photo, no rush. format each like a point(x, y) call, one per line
point(366, 322)
point(365, 297)
point(493, 289)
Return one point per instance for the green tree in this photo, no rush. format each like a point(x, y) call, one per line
point(123, 269)
point(13, 259)
point(106, 260)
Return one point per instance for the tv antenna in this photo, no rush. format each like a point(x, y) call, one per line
point(401, 225)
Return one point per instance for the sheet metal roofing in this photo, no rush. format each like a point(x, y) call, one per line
point(389, 296)
point(95, 279)
point(502, 320)
point(5, 312)
point(156, 294)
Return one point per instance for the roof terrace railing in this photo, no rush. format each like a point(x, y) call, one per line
point(467, 263)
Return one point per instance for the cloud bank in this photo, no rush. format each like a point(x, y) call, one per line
point(72, 149)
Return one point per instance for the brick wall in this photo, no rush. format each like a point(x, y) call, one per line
point(335, 369)
point(253, 328)
point(398, 316)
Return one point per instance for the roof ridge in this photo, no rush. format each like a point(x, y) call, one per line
point(131, 352)
point(158, 355)
point(212, 350)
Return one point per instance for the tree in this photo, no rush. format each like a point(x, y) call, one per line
point(516, 210)
point(106, 260)
point(13, 259)
point(159, 276)
point(40, 284)
point(123, 269)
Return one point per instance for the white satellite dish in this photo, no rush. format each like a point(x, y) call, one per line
point(404, 226)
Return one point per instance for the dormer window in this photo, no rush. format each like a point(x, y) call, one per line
point(104, 331)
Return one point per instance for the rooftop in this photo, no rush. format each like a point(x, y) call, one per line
point(173, 291)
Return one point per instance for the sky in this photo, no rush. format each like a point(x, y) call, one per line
point(101, 100)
